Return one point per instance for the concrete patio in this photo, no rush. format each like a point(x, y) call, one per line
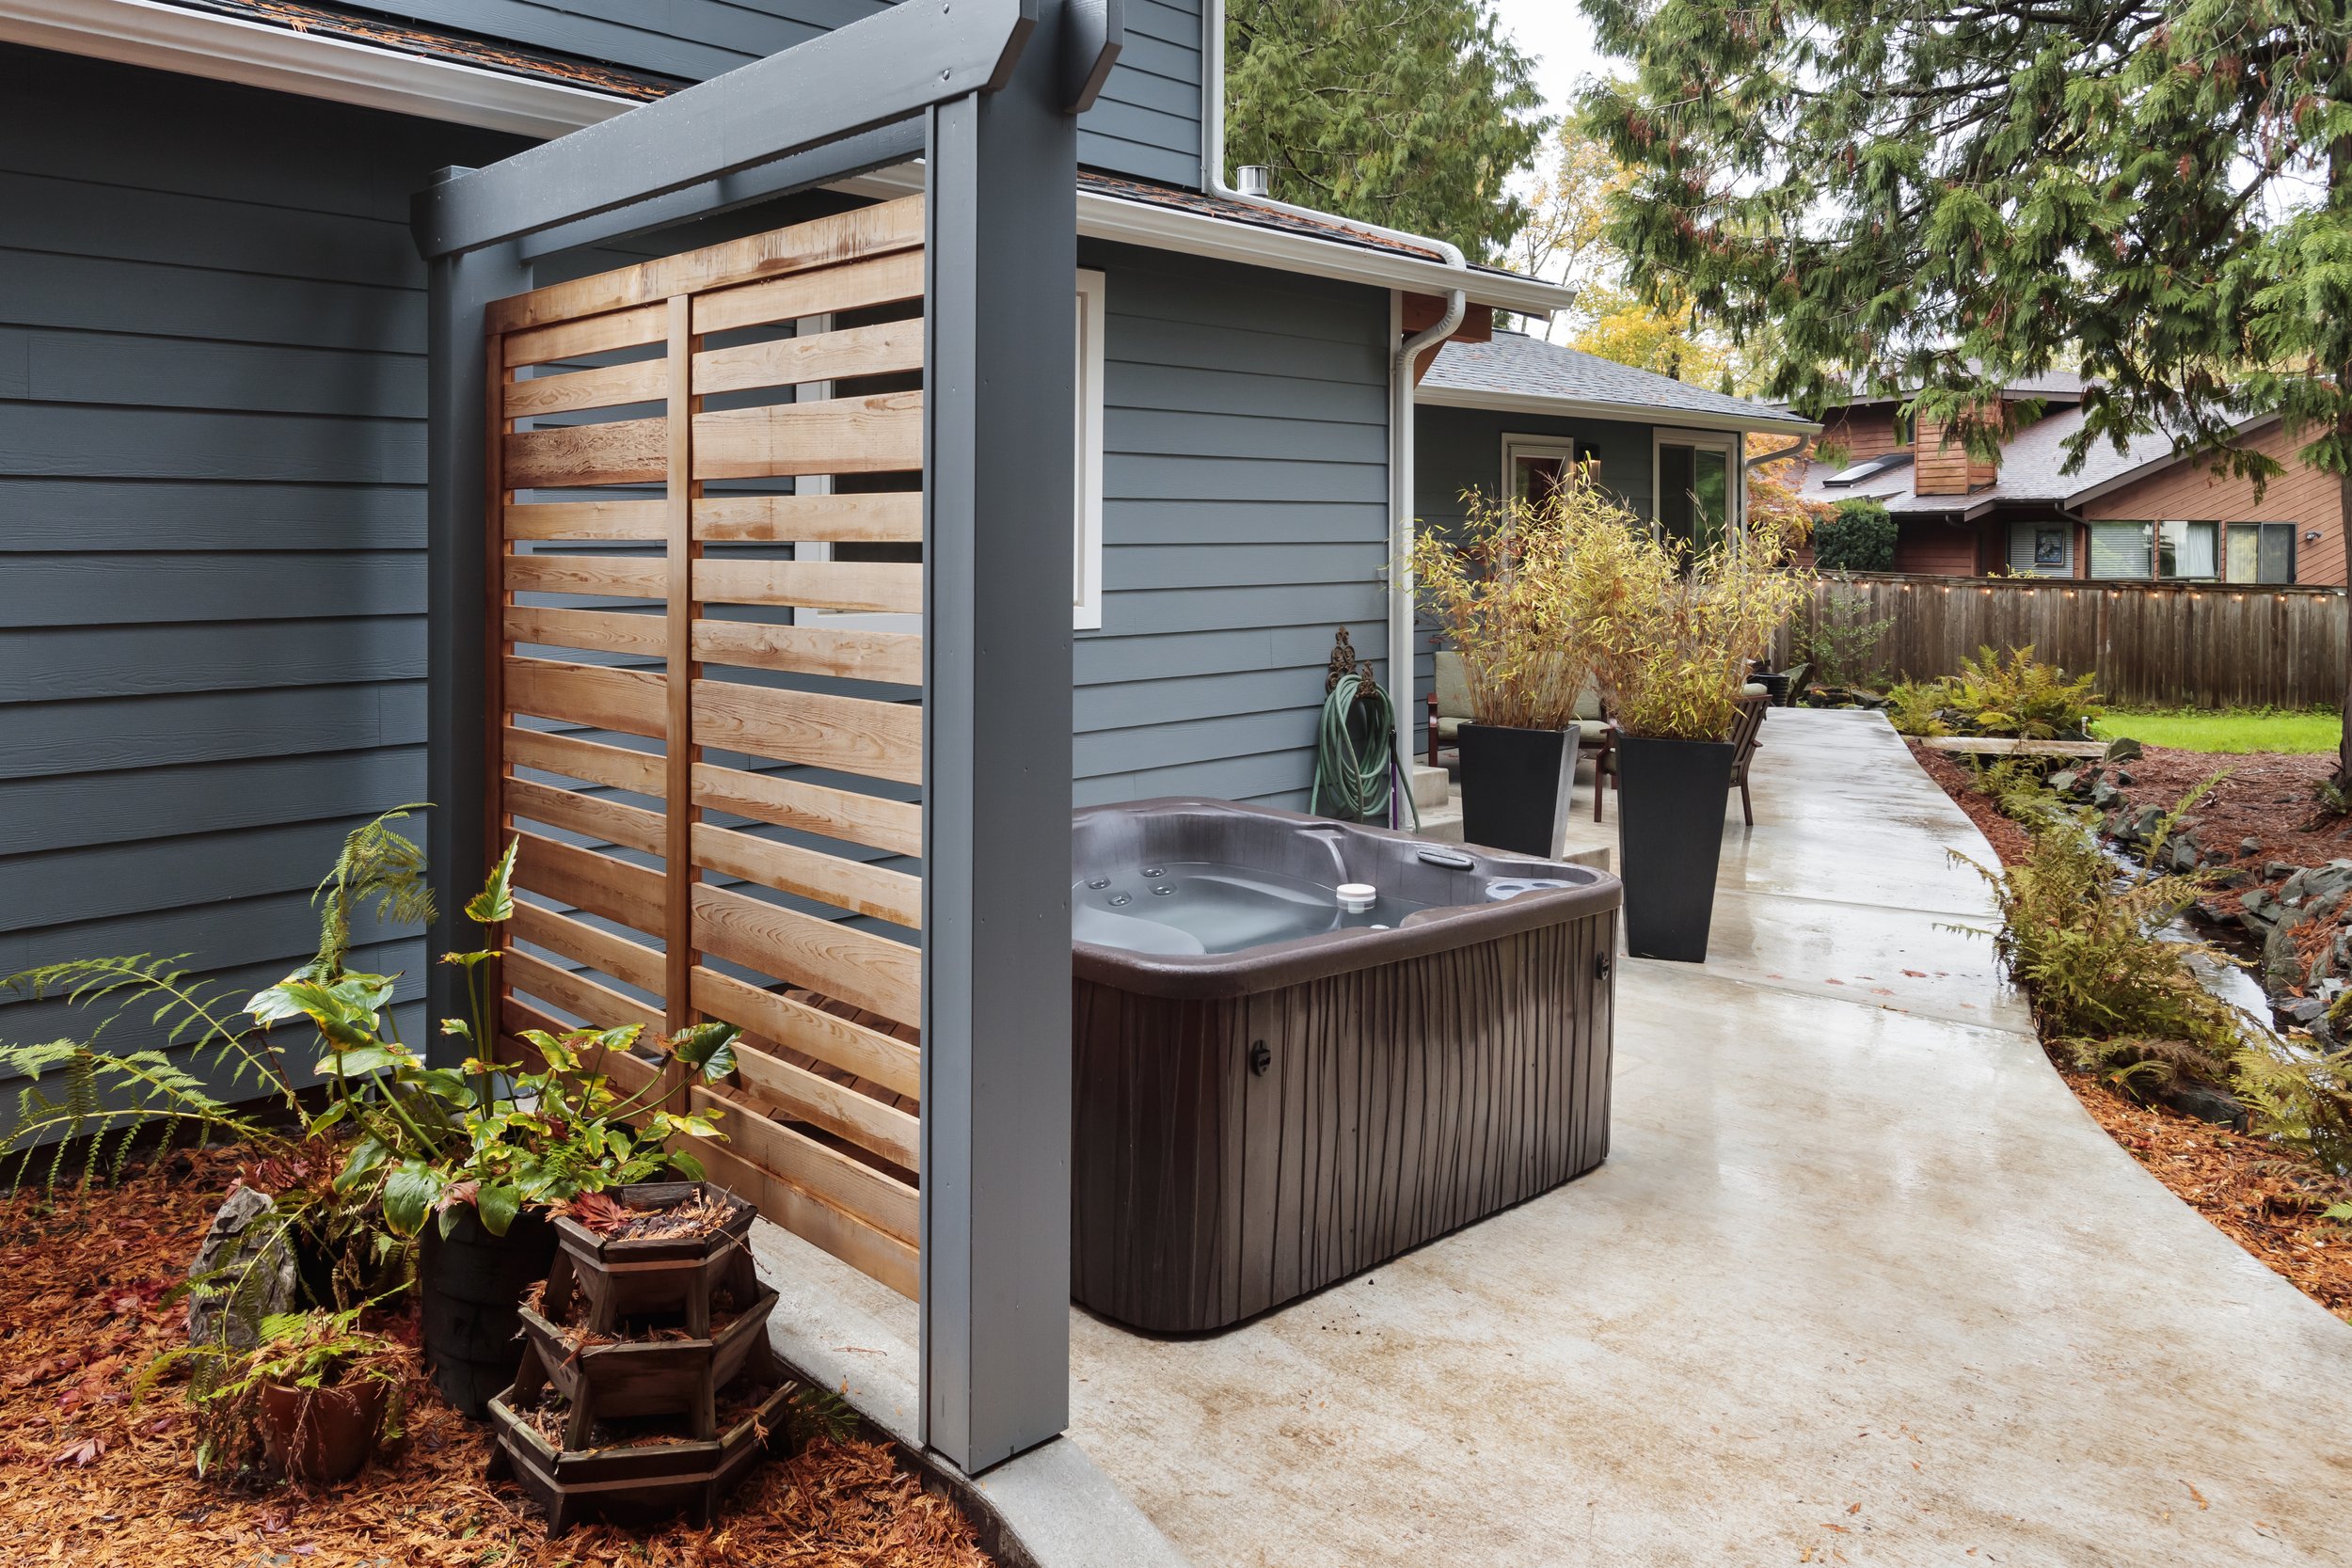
point(1859, 1282)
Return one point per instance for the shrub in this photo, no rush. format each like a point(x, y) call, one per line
point(1671, 631)
point(1493, 583)
point(2016, 696)
point(1859, 536)
point(1839, 642)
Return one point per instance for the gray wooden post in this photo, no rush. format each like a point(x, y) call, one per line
point(1001, 384)
point(456, 760)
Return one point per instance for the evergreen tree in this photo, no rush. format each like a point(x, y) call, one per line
point(1408, 112)
point(1953, 196)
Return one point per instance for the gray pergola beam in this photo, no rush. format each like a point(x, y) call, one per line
point(1001, 389)
point(890, 66)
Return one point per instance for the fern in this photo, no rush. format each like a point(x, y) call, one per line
point(377, 864)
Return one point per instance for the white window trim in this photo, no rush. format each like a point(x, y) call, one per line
point(1086, 478)
point(1730, 443)
point(1087, 584)
point(1516, 444)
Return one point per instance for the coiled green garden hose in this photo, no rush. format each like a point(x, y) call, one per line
point(1356, 763)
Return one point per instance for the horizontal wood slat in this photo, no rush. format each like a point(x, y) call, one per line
point(852, 286)
point(845, 885)
point(884, 348)
point(589, 761)
point(600, 1006)
point(623, 452)
point(568, 339)
point(813, 808)
point(828, 1225)
point(882, 740)
point(584, 520)
point(590, 816)
point(604, 387)
point(618, 956)
point(885, 587)
point(622, 577)
point(882, 434)
point(587, 881)
point(629, 701)
point(883, 1201)
point(838, 1109)
point(879, 229)
point(893, 518)
point(606, 630)
point(866, 971)
point(848, 653)
point(795, 1026)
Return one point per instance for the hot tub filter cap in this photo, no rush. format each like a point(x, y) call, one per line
point(1356, 898)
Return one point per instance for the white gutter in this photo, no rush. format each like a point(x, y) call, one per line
point(228, 49)
point(1585, 408)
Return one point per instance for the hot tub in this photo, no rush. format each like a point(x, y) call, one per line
point(1273, 1091)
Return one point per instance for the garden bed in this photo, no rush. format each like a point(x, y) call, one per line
point(90, 1476)
point(2269, 1199)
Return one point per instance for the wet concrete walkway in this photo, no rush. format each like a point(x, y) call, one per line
point(1860, 1283)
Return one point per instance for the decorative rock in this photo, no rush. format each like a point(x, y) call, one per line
point(2273, 870)
point(2123, 749)
point(2304, 1010)
point(2105, 796)
point(221, 1267)
point(2249, 847)
point(2123, 776)
point(2064, 780)
point(2203, 1101)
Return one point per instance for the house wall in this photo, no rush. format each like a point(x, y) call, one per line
point(1461, 448)
point(2194, 492)
point(1933, 548)
point(212, 511)
point(1146, 123)
point(1862, 433)
point(1245, 517)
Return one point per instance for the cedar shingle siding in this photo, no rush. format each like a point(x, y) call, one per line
point(2192, 492)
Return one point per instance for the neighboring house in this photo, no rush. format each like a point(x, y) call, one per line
point(2139, 514)
point(212, 439)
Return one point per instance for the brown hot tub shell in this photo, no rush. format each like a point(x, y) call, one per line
point(1252, 1126)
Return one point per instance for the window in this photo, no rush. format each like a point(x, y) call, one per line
point(2042, 549)
point(1696, 500)
point(1085, 607)
point(1087, 577)
point(2186, 551)
point(1535, 466)
point(2194, 551)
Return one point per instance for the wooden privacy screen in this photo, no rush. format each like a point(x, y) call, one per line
point(704, 705)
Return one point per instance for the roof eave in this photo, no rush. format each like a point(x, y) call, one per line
point(1763, 421)
point(228, 49)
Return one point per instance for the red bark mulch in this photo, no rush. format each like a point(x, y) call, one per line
point(92, 1477)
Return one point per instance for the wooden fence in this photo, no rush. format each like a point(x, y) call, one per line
point(711, 784)
point(2159, 645)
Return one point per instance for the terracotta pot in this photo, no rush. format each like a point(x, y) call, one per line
point(322, 1434)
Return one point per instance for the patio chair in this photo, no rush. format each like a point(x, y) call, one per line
point(1449, 704)
point(1746, 731)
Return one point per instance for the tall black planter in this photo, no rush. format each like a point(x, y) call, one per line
point(1671, 797)
point(1515, 787)
point(470, 1282)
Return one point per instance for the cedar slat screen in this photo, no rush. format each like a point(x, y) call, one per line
point(709, 733)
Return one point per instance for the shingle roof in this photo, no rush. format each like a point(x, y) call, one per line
point(1521, 365)
point(356, 25)
point(2032, 470)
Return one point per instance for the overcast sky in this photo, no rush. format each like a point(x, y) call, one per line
point(1556, 33)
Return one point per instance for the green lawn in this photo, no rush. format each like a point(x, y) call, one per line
point(2227, 729)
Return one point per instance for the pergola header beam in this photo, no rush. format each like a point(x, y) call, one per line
point(882, 69)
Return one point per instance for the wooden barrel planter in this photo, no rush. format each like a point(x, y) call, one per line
point(632, 1276)
point(637, 1484)
point(622, 1378)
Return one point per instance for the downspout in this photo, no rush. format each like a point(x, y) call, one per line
point(1401, 373)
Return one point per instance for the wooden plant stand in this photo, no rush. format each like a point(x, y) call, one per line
point(626, 1278)
point(636, 1485)
point(644, 1377)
